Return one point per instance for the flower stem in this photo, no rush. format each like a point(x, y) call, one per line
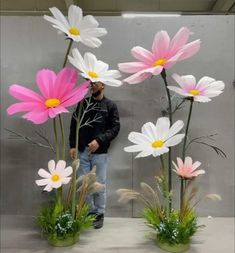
point(184, 150)
point(74, 177)
point(62, 135)
point(163, 75)
point(56, 140)
point(67, 52)
point(166, 191)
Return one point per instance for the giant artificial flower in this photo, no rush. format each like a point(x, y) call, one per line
point(58, 92)
point(155, 139)
point(165, 53)
point(202, 91)
point(187, 169)
point(93, 69)
point(77, 27)
point(57, 176)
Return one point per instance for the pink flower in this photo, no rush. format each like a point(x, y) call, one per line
point(58, 92)
point(165, 53)
point(187, 170)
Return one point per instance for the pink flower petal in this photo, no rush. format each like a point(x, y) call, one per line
point(23, 107)
point(137, 78)
point(54, 111)
point(65, 82)
point(45, 80)
point(24, 94)
point(190, 49)
point(142, 54)
point(161, 44)
point(132, 67)
point(195, 166)
point(76, 95)
point(178, 41)
point(37, 117)
point(198, 172)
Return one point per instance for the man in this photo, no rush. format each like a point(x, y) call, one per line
point(94, 141)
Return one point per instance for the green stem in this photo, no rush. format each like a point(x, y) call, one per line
point(67, 52)
point(59, 196)
point(187, 127)
point(166, 191)
point(184, 150)
point(163, 75)
point(62, 135)
point(56, 140)
point(76, 157)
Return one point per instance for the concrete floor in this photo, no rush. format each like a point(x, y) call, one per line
point(119, 235)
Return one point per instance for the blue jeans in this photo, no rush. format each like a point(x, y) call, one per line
point(96, 201)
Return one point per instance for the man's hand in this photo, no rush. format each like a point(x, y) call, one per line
point(93, 146)
point(72, 153)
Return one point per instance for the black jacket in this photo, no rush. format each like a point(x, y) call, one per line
point(104, 129)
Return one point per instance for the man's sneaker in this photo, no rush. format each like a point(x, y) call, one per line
point(99, 221)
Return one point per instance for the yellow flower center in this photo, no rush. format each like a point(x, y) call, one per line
point(55, 178)
point(159, 62)
point(52, 102)
point(74, 31)
point(194, 92)
point(157, 144)
point(93, 74)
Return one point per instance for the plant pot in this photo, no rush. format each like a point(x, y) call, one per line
point(174, 248)
point(63, 242)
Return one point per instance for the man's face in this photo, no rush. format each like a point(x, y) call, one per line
point(98, 86)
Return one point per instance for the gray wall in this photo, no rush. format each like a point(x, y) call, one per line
point(30, 43)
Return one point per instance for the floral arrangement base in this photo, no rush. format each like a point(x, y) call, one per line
point(174, 248)
point(63, 242)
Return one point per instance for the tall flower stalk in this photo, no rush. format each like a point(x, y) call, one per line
point(169, 172)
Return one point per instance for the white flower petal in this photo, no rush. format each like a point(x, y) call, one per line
point(162, 128)
point(90, 61)
point(144, 153)
point(176, 139)
point(139, 138)
point(67, 171)
point(60, 166)
point(188, 162)
point(202, 99)
point(149, 130)
point(51, 166)
point(100, 67)
point(204, 81)
point(160, 151)
point(195, 165)
point(56, 184)
point(111, 82)
point(179, 91)
point(59, 16)
point(134, 148)
point(42, 182)
point(91, 41)
point(175, 128)
point(48, 188)
point(66, 180)
point(88, 22)
point(74, 15)
point(44, 173)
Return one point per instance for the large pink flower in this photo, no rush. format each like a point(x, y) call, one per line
point(187, 169)
point(165, 53)
point(58, 92)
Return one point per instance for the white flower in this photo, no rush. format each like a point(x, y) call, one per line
point(155, 139)
point(202, 91)
point(93, 69)
point(77, 27)
point(58, 175)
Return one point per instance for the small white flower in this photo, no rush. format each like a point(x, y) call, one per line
point(93, 69)
point(56, 176)
point(202, 91)
point(77, 27)
point(155, 139)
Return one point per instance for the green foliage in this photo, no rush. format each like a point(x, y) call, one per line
point(172, 229)
point(58, 223)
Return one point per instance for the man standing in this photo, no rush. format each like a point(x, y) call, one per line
point(94, 141)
